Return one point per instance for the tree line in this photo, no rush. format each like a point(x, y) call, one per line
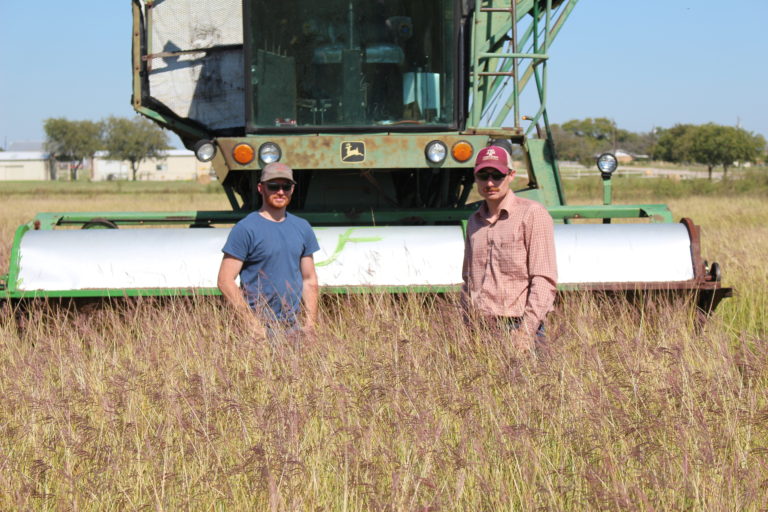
point(133, 140)
point(707, 144)
point(137, 139)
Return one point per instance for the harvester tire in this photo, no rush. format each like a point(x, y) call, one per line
point(99, 223)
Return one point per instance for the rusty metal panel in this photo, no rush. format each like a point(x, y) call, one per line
point(379, 151)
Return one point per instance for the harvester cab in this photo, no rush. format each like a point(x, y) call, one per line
point(380, 107)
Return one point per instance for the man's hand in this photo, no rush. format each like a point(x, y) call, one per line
point(248, 325)
point(228, 272)
point(309, 332)
point(310, 292)
point(522, 341)
point(256, 328)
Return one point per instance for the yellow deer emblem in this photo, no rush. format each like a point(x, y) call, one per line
point(353, 151)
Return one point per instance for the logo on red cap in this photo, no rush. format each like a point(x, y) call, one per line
point(493, 156)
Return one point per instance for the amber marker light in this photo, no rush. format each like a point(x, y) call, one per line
point(243, 154)
point(462, 151)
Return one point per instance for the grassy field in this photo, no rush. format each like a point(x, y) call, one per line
point(396, 406)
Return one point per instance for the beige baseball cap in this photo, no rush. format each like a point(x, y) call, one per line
point(277, 170)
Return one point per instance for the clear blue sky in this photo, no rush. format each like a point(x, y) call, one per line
point(645, 64)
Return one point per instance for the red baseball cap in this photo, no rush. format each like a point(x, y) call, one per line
point(495, 157)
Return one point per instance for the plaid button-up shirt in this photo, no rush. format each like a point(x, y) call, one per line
point(509, 264)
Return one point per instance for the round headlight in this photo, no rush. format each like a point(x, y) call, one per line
point(270, 152)
point(607, 163)
point(205, 150)
point(436, 151)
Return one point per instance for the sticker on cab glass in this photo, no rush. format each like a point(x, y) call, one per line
point(352, 152)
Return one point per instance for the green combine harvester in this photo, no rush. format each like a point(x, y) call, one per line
point(380, 106)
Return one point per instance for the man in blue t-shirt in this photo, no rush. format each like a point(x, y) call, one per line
point(271, 250)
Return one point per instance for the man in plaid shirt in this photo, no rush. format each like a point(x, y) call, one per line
point(509, 271)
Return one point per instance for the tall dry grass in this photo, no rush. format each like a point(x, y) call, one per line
point(397, 405)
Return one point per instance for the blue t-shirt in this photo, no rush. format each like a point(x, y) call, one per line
point(270, 252)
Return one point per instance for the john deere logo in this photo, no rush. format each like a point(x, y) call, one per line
point(352, 152)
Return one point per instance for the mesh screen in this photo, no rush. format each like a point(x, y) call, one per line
point(207, 86)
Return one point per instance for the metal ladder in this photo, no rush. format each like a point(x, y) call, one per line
point(497, 27)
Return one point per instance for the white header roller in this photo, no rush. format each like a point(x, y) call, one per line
point(623, 253)
point(190, 258)
point(62, 260)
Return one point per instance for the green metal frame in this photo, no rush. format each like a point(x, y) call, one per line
point(53, 220)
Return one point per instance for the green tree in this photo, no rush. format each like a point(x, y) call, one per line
point(714, 145)
point(638, 143)
point(134, 140)
point(600, 128)
point(582, 139)
point(570, 146)
point(746, 146)
point(709, 144)
point(674, 144)
point(72, 141)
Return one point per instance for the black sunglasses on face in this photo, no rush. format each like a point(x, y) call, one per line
point(274, 187)
point(495, 176)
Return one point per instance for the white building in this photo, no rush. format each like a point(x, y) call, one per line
point(26, 166)
point(177, 164)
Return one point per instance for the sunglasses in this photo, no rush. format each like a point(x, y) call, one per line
point(274, 187)
point(495, 175)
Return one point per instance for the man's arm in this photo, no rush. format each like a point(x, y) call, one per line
point(228, 272)
point(309, 290)
point(465, 300)
point(542, 270)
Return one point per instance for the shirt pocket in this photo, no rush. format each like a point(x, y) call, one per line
point(511, 259)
